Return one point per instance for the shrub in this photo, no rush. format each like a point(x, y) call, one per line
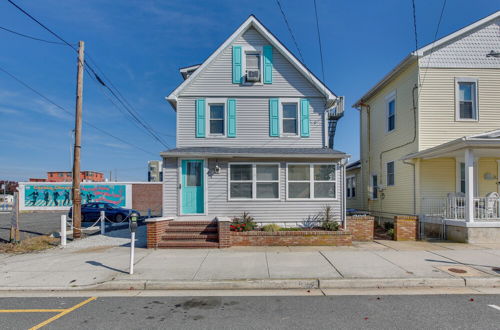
point(243, 223)
point(390, 232)
point(312, 221)
point(291, 229)
point(271, 228)
point(328, 223)
point(388, 225)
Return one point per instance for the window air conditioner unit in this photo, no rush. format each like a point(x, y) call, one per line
point(253, 75)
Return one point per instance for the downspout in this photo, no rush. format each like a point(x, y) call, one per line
point(344, 198)
point(368, 117)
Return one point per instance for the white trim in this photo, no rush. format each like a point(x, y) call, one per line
point(475, 100)
point(180, 186)
point(215, 101)
point(388, 99)
point(312, 181)
point(251, 21)
point(254, 181)
point(280, 115)
point(251, 49)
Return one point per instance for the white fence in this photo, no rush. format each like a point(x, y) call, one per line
point(454, 208)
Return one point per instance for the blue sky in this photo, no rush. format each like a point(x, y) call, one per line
point(140, 44)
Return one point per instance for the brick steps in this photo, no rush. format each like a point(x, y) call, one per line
point(190, 234)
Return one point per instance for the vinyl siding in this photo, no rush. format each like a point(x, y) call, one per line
point(252, 126)
point(437, 105)
point(262, 210)
point(216, 79)
point(487, 165)
point(379, 146)
point(356, 202)
point(437, 178)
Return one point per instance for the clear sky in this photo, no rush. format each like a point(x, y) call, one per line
point(140, 44)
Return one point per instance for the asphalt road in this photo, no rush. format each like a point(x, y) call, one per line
point(299, 312)
point(31, 224)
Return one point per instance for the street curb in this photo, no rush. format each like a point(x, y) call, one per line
point(266, 284)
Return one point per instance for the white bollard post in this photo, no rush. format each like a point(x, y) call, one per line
point(132, 247)
point(103, 223)
point(63, 229)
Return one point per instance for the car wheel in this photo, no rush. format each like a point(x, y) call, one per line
point(118, 218)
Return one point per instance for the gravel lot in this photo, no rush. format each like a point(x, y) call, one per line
point(31, 224)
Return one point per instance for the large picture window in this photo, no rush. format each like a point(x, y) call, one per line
point(311, 181)
point(254, 181)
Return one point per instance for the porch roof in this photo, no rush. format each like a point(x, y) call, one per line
point(232, 152)
point(486, 143)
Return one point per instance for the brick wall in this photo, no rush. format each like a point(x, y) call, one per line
point(224, 234)
point(154, 232)
point(147, 196)
point(405, 228)
point(361, 227)
point(291, 238)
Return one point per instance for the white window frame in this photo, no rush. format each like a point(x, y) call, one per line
point(458, 80)
point(373, 187)
point(250, 49)
point(388, 99)
point(393, 173)
point(254, 181)
point(351, 183)
point(312, 181)
point(214, 101)
point(285, 101)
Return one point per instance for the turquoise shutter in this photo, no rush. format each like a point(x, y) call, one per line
point(231, 118)
point(237, 65)
point(274, 118)
point(268, 64)
point(200, 118)
point(304, 117)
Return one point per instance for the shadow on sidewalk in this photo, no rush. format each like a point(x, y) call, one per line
point(98, 264)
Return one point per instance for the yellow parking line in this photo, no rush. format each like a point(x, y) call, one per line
point(30, 310)
point(64, 312)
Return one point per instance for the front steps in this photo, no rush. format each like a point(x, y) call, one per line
point(190, 234)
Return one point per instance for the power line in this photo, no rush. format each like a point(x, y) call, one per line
point(30, 37)
point(291, 32)
point(128, 108)
point(319, 41)
point(70, 113)
point(414, 24)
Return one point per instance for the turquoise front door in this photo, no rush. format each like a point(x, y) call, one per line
point(192, 187)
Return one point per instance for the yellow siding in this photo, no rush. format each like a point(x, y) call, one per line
point(437, 177)
point(490, 166)
point(437, 105)
point(382, 147)
point(356, 202)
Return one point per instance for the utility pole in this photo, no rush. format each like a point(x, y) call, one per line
point(77, 200)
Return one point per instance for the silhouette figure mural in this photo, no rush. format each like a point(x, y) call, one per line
point(59, 195)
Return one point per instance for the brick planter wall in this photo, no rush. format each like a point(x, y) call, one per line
point(224, 233)
point(154, 231)
point(405, 228)
point(361, 227)
point(291, 238)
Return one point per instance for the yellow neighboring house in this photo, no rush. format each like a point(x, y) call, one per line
point(430, 137)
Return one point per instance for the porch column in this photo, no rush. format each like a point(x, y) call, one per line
point(469, 185)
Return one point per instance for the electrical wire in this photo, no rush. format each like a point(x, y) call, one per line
point(414, 24)
point(290, 30)
point(319, 41)
point(71, 114)
point(30, 37)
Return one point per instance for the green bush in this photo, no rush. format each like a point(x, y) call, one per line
point(390, 232)
point(271, 228)
point(291, 229)
point(243, 223)
point(328, 223)
point(388, 225)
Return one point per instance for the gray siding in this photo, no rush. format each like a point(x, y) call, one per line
point(216, 79)
point(252, 126)
point(262, 210)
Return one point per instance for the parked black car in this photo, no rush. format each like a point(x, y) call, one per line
point(92, 212)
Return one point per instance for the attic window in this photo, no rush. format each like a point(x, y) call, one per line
point(253, 72)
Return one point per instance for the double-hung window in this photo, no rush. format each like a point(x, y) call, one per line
point(253, 71)
point(311, 181)
point(466, 99)
point(290, 118)
point(374, 185)
point(390, 173)
point(253, 181)
point(351, 187)
point(216, 119)
point(391, 111)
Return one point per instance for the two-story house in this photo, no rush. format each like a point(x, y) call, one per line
point(430, 136)
point(252, 136)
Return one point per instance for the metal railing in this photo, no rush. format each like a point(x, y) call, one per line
point(454, 208)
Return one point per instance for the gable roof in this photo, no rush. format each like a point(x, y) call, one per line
point(253, 22)
point(423, 51)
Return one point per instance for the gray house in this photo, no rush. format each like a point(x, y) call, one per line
point(254, 134)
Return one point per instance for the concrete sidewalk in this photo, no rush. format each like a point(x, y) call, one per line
point(101, 262)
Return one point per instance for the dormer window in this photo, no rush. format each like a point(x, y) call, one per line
point(253, 66)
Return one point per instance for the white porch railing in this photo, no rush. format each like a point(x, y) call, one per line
point(485, 208)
